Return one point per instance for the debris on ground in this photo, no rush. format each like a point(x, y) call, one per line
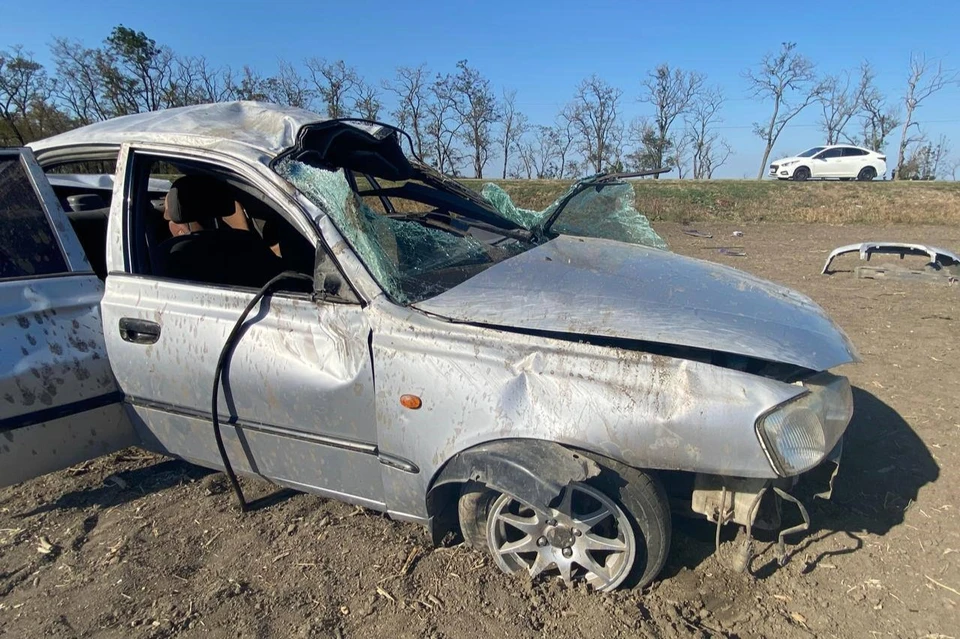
point(941, 260)
point(732, 252)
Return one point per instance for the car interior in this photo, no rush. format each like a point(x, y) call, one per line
point(197, 222)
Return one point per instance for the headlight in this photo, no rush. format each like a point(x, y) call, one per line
point(790, 163)
point(798, 434)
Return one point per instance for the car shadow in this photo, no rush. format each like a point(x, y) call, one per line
point(130, 485)
point(883, 468)
point(126, 486)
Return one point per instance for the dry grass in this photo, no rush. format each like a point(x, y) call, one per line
point(768, 200)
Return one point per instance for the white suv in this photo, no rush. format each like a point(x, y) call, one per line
point(839, 161)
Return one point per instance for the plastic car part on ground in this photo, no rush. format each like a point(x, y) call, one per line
point(940, 257)
point(605, 212)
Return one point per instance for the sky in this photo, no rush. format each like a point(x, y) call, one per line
point(543, 49)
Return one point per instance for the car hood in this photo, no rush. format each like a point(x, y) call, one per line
point(593, 287)
point(788, 159)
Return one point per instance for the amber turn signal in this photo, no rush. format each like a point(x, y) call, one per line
point(410, 401)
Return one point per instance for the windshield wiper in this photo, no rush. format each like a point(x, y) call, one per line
point(434, 178)
point(598, 181)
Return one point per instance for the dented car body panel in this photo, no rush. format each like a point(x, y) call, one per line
point(480, 385)
point(619, 350)
point(588, 286)
point(59, 401)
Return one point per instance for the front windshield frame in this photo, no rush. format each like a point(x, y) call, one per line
point(809, 153)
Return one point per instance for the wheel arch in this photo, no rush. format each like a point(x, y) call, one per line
point(534, 470)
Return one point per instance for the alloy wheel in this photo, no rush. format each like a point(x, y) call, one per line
point(587, 536)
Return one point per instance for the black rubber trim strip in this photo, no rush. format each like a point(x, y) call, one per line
point(57, 412)
point(281, 431)
point(47, 276)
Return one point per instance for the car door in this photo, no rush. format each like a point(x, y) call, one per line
point(297, 403)
point(59, 402)
point(854, 160)
point(828, 164)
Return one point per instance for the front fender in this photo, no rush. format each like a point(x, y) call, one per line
point(532, 470)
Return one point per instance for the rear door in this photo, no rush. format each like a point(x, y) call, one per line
point(853, 161)
point(59, 402)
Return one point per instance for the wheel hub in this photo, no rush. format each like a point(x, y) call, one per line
point(560, 537)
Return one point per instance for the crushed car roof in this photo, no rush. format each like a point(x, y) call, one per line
point(256, 130)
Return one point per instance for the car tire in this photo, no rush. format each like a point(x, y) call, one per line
point(801, 174)
point(634, 500)
point(867, 174)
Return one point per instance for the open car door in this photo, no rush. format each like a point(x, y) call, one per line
point(59, 402)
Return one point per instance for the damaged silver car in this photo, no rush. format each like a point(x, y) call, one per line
point(253, 289)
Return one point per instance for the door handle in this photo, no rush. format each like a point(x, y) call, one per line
point(139, 331)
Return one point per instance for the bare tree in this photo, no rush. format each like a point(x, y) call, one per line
point(79, 84)
point(616, 162)
point(939, 156)
point(670, 92)
point(23, 85)
point(513, 125)
point(477, 108)
point(925, 160)
point(566, 136)
point(787, 78)
point(925, 79)
point(719, 152)
point(411, 86)
point(841, 100)
point(708, 152)
point(289, 87)
point(194, 81)
point(251, 86)
point(680, 156)
point(877, 120)
point(334, 82)
point(443, 125)
point(367, 101)
point(538, 152)
point(595, 115)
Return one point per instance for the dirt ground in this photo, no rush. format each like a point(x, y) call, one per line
point(136, 545)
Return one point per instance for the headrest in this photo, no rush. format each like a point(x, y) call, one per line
point(198, 198)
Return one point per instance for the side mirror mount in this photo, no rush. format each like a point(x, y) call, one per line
point(329, 283)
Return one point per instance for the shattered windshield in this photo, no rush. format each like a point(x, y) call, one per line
point(408, 235)
point(604, 211)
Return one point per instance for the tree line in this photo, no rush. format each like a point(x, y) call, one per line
point(459, 122)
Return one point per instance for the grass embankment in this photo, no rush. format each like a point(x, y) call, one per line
point(751, 201)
